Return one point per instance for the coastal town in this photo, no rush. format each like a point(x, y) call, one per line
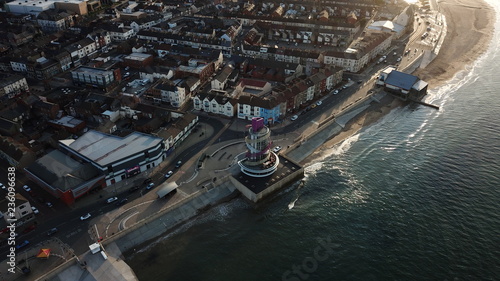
point(120, 120)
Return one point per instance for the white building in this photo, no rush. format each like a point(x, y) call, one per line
point(118, 158)
point(19, 65)
point(360, 52)
point(172, 93)
point(22, 209)
point(215, 103)
point(34, 7)
point(53, 21)
point(120, 33)
point(12, 84)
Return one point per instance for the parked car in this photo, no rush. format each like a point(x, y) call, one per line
point(86, 216)
point(148, 180)
point(335, 92)
point(168, 174)
point(48, 204)
point(3, 186)
point(111, 200)
point(151, 185)
point(294, 117)
point(178, 164)
point(134, 188)
point(277, 149)
point(27, 188)
point(22, 244)
point(35, 210)
point(29, 228)
point(52, 231)
point(122, 202)
point(313, 105)
point(319, 103)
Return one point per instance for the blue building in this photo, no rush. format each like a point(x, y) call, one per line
point(403, 85)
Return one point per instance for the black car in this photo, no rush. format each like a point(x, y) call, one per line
point(148, 180)
point(134, 188)
point(122, 202)
point(52, 231)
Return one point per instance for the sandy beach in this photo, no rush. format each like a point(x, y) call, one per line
point(470, 26)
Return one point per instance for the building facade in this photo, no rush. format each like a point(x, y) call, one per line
point(94, 77)
point(12, 85)
point(118, 158)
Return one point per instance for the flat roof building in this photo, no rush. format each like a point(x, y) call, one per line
point(64, 177)
point(117, 157)
point(138, 60)
point(403, 85)
point(95, 77)
point(35, 7)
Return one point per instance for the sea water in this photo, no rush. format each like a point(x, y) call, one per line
point(413, 197)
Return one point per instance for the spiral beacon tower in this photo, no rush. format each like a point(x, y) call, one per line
point(260, 161)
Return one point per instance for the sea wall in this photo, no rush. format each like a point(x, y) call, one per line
point(155, 225)
point(283, 182)
point(114, 268)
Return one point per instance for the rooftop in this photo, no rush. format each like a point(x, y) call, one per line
point(401, 80)
point(90, 70)
point(137, 56)
point(105, 149)
point(67, 121)
point(62, 171)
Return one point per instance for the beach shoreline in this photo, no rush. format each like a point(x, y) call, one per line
point(465, 19)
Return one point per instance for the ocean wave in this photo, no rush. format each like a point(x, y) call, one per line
point(345, 145)
point(445, 94)
point(312, 169)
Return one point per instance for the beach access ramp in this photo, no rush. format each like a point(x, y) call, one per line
point(166, 188)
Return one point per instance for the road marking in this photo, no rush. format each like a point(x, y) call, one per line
point(74, 233)
point(121, 225)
